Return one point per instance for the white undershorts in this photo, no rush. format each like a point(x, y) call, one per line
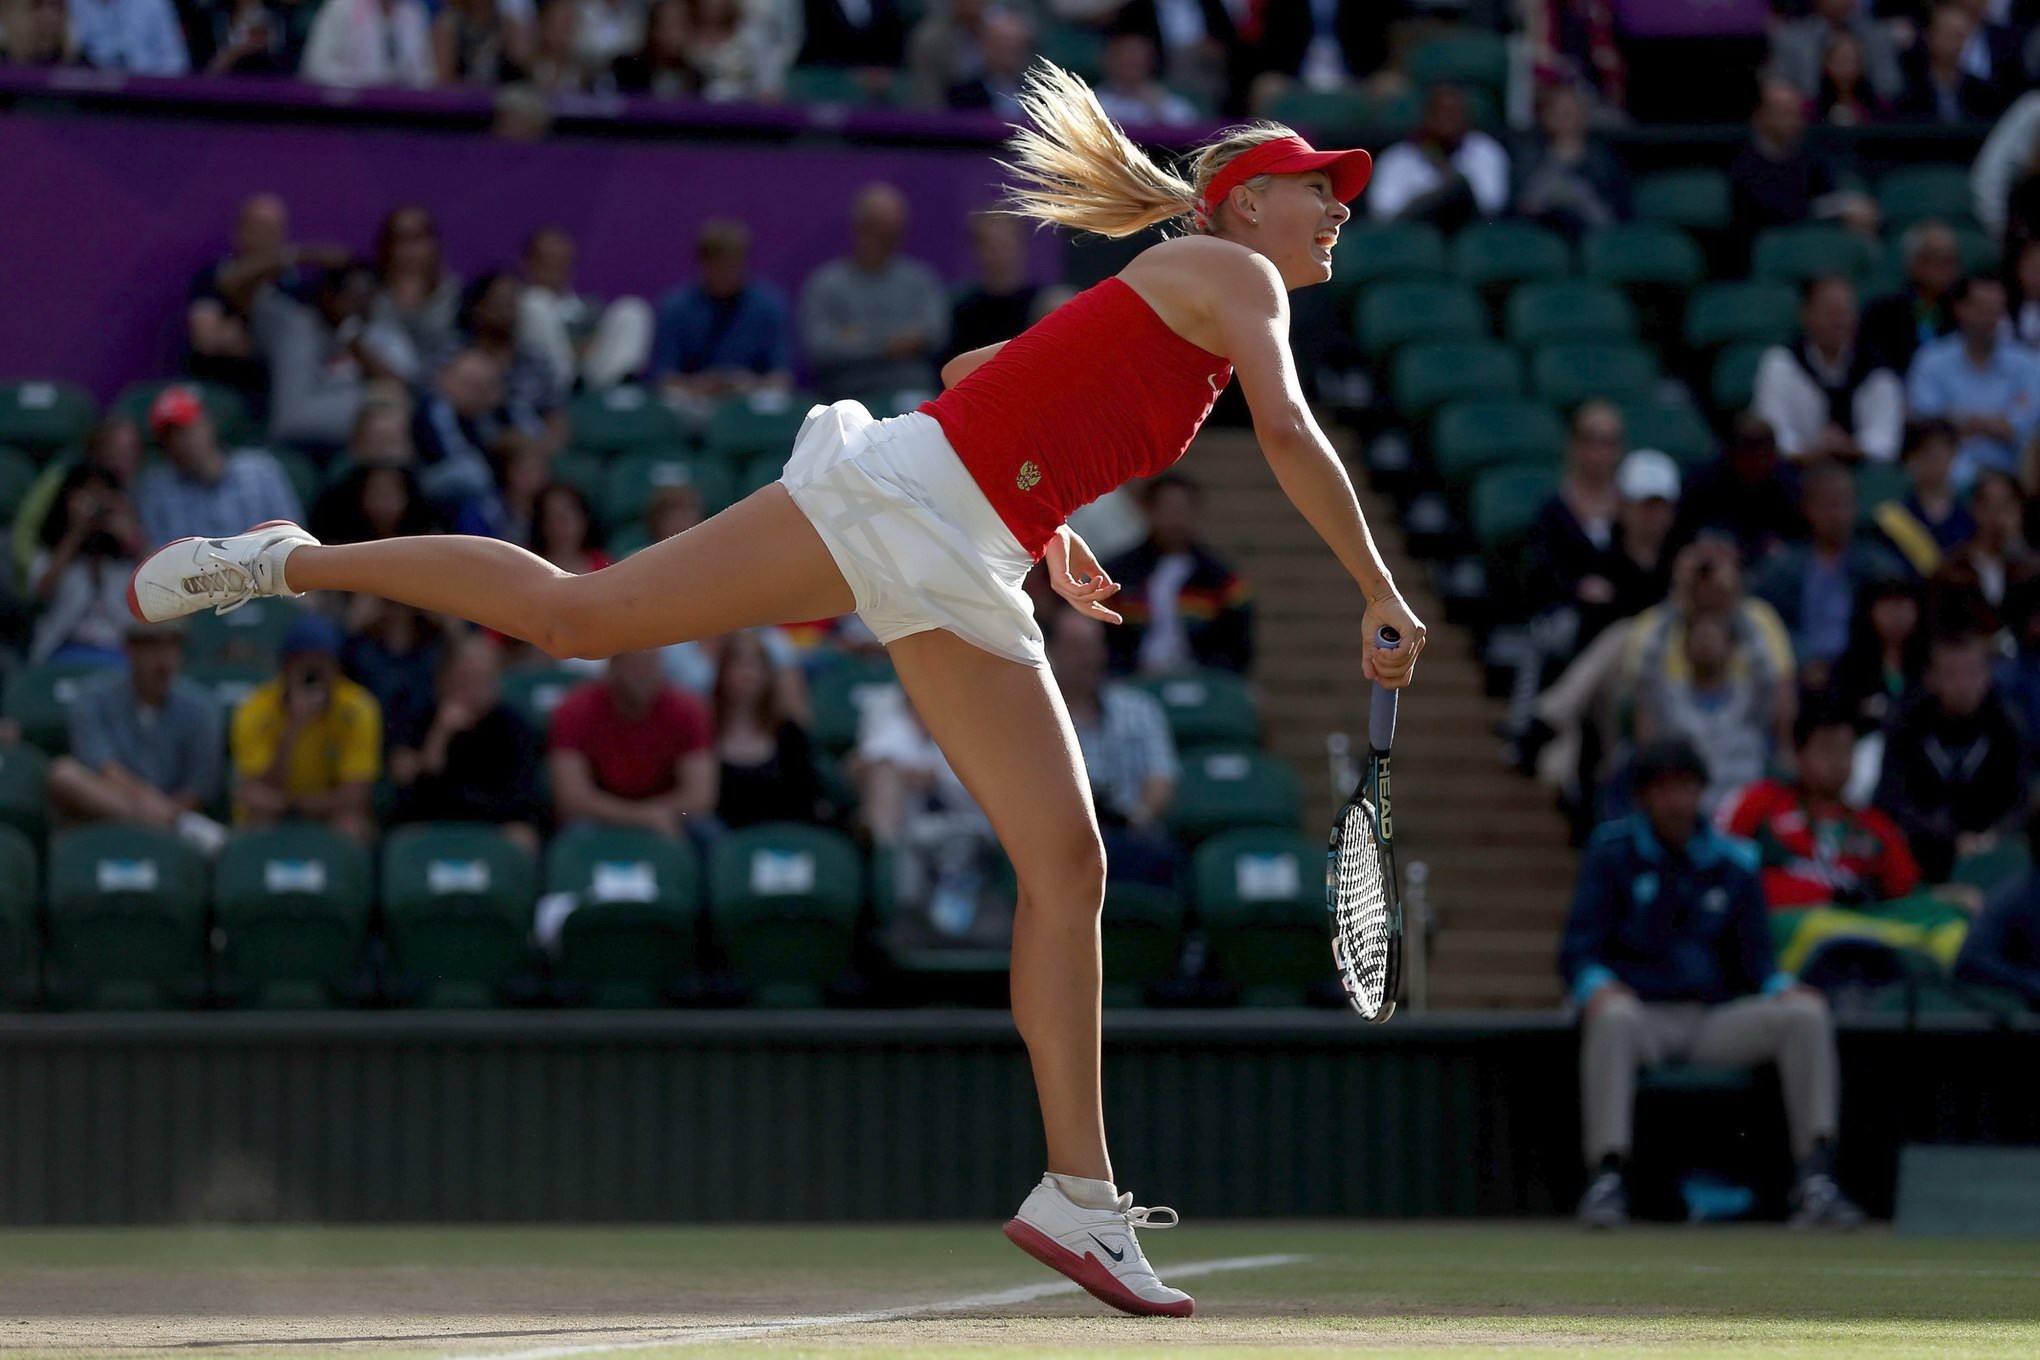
point(911, 531)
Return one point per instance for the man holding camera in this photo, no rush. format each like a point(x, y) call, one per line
point(308, 744)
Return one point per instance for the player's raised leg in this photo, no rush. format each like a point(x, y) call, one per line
point(758, 562)
point(1007, 736)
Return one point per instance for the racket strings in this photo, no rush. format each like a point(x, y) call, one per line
point(1360, 911)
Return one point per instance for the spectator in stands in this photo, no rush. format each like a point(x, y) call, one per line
point(869, 36)
point(1938, 88)
point(1723, 710)
point(371, 503)
point(472, 759)
point(393, 651)
point(360, 44)
point(1777, 181)
point(248, 38)
point(659, 66)
point(1986, 386)
point(2004, 163)
point(198, 490)
point(414, 288)
point(89, 545)
point(1183, 605)
point(1008, 44)
point(996, 304)
point(1846, 98)
point(323, 359)
point(945, 49)
point(1127, 749)
point(873, 321)
point(564, 531)
point(1824, 394)
point(555, 65)
point(2002, 949)
point(1799, 48)
point(1895, 327)
point(606, 30)
point(1566, 546)
point(588, 343)
point(1667, 955)
point(1930, 519)
point(1954, 766)
point(1968, 591)
point(631, 750)
point(475, 43)
point(1814, 585)
point(938, 841)
point(1813, 849)
point(1567, 178)
point(1448, 173)
point(1748, 495)
point(1199, 41)
point(219, 318)
point(139, 37)
point(308, 744)
point(2022, 294)
point(145, 746)
point(735, 53)
point(533, 399)
point(1131, 92)
point(769, 771)
point(113, 447)
point(1995, 52)
point(36, 33)
point(2018, 675)
point(456, 432)
point(727, 334)
point(1321, 46)
point(1886, 655)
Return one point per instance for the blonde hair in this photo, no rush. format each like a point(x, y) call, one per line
point(1075, 167)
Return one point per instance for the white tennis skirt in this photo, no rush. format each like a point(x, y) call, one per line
point(913, 535)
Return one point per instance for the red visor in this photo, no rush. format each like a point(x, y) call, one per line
point(1289, 156)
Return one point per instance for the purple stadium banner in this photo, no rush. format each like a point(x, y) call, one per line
point(1692, 18)
point(108, 218)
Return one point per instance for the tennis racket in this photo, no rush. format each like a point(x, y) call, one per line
point(1360, 881)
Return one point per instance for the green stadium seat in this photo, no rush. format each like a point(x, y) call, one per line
point(1696, 200)
point(837, 691)
point(1877, 483)
point(293, 911)
point(248, 636)
point(1142, 933)
point(1339, 117)
point(39, 698)
point(1078, 50)
point(1572, 372)
point(1469, 437)
point(1505, 500)
point(583, 472)
point(1469, 56)
point(1430, 373)
point(232, 422)
point(1206, 707)
point(534, 692)
point(41, 416)
point(621, 420)
point(741, 428)
point(1993, 868)
point(1670, 427)
point(303, 475)
point(1796, 254)
point(1369, 252)
point(1397, 116)
point(1260, 896)
point(17, 475)
point(1735, 377)
point(760, 470)
point(785, 900)
point(1219, 790)
point(230, 684)
point(24, 790)
point(1543, 313)
point(1397, 312)
point(1642, 254)
point(20, 895)
point(1752, 309)
point(629, 483)
point(1496, 255)
point(831, 85)
point(1921, 192)
point(621, 543)
point(127, 917)
point(633, 934)
point(457, 903)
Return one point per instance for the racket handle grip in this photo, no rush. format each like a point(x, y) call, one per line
point(1381, 709)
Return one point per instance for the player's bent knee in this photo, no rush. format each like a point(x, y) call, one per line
point(1070, 876)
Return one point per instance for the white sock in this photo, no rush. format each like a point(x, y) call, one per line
point(1086, 1193)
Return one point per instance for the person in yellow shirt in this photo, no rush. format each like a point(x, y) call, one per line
point(308, 745)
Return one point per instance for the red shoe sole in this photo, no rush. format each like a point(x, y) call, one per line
point(1089, 1272)
point(135, 605)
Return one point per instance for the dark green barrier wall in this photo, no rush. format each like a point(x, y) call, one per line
point(677, 1116)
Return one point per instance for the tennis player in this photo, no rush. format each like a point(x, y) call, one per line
point(926, 524)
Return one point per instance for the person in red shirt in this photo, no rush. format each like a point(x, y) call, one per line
point(1814, 849)
point(631, 750)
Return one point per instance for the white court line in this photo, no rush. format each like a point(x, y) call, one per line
point(696, 1336)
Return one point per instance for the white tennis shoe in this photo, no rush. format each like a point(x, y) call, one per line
point(1097, 1249)
point(220, 574)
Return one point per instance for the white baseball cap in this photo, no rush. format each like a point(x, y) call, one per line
point(1647, 474)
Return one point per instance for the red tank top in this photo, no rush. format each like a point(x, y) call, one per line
point(1097, 392)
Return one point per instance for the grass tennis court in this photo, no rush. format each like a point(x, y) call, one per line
point(547, 1294)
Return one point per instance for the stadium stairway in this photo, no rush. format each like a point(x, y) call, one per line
point(1500, 872)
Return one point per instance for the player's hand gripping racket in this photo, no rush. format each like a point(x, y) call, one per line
point(1360, 882)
